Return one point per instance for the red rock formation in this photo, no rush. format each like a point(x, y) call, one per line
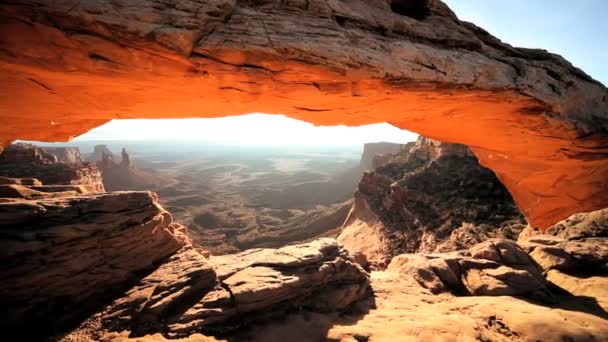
point(63, 256)
point(26, 153)
point(29, 161)
point(529, 115)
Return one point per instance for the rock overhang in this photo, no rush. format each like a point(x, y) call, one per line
point(529, 115)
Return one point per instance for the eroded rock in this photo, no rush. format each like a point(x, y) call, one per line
point(433, 197)
point(30, 161)
point(191, 294)
point(64, 255)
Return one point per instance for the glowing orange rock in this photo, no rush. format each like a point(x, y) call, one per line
point(529, 115)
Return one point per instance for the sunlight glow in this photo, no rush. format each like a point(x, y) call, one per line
point(252, 129)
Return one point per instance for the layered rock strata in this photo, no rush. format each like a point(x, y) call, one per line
point(192, 294)
point(434, 197)
point(65, 254)
point(26, 160)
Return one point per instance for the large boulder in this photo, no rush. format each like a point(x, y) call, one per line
point(192, 294)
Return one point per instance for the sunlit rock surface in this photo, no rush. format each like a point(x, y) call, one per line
point(192, 294)
point(29, 161)
point(527, 114)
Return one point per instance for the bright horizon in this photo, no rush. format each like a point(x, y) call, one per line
point(255, 129)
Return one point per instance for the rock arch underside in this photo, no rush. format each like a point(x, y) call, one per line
point(540, 123)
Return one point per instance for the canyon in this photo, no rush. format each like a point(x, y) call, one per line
point(491, 226)
point(430, 233)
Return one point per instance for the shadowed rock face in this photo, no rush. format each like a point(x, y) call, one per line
point(434, 197)
point(65, 254)
point(529, 115)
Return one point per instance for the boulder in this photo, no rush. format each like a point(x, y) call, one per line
point(190, 293)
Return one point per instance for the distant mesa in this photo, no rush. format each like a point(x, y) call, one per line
point(98, 152)
point(65, 154)
point(123, 175)
point(372, 151)
point(27, 161)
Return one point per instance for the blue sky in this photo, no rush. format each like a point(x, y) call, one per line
point(577, 30)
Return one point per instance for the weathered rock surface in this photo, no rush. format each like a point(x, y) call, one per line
point(414, 64)
point(29, 161)
point(63, 256)
point(574, 255)
point(191, 294)
point(434, 197)
point(65, 154)
point(492, 268)
point(405, 308)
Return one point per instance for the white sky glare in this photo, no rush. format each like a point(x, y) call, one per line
point(251, 129)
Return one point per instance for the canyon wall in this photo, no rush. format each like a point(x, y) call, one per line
point(64, 255)
point(532, 117)
point(435, 197)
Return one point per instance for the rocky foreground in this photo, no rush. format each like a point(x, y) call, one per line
point(79, 265)
point(498, 290)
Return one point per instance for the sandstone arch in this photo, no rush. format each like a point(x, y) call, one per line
point(538, 122)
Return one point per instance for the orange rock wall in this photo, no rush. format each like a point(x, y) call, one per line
point(530, 116)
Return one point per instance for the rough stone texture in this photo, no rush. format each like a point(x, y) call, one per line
point(578, 244)
point(26, 160)
point(26, 153)
point(63, 256)
point(434, 197)
point(492, 268)
point(65, 154)
point(190, 293)
point(329, 62)
point(580, 225)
